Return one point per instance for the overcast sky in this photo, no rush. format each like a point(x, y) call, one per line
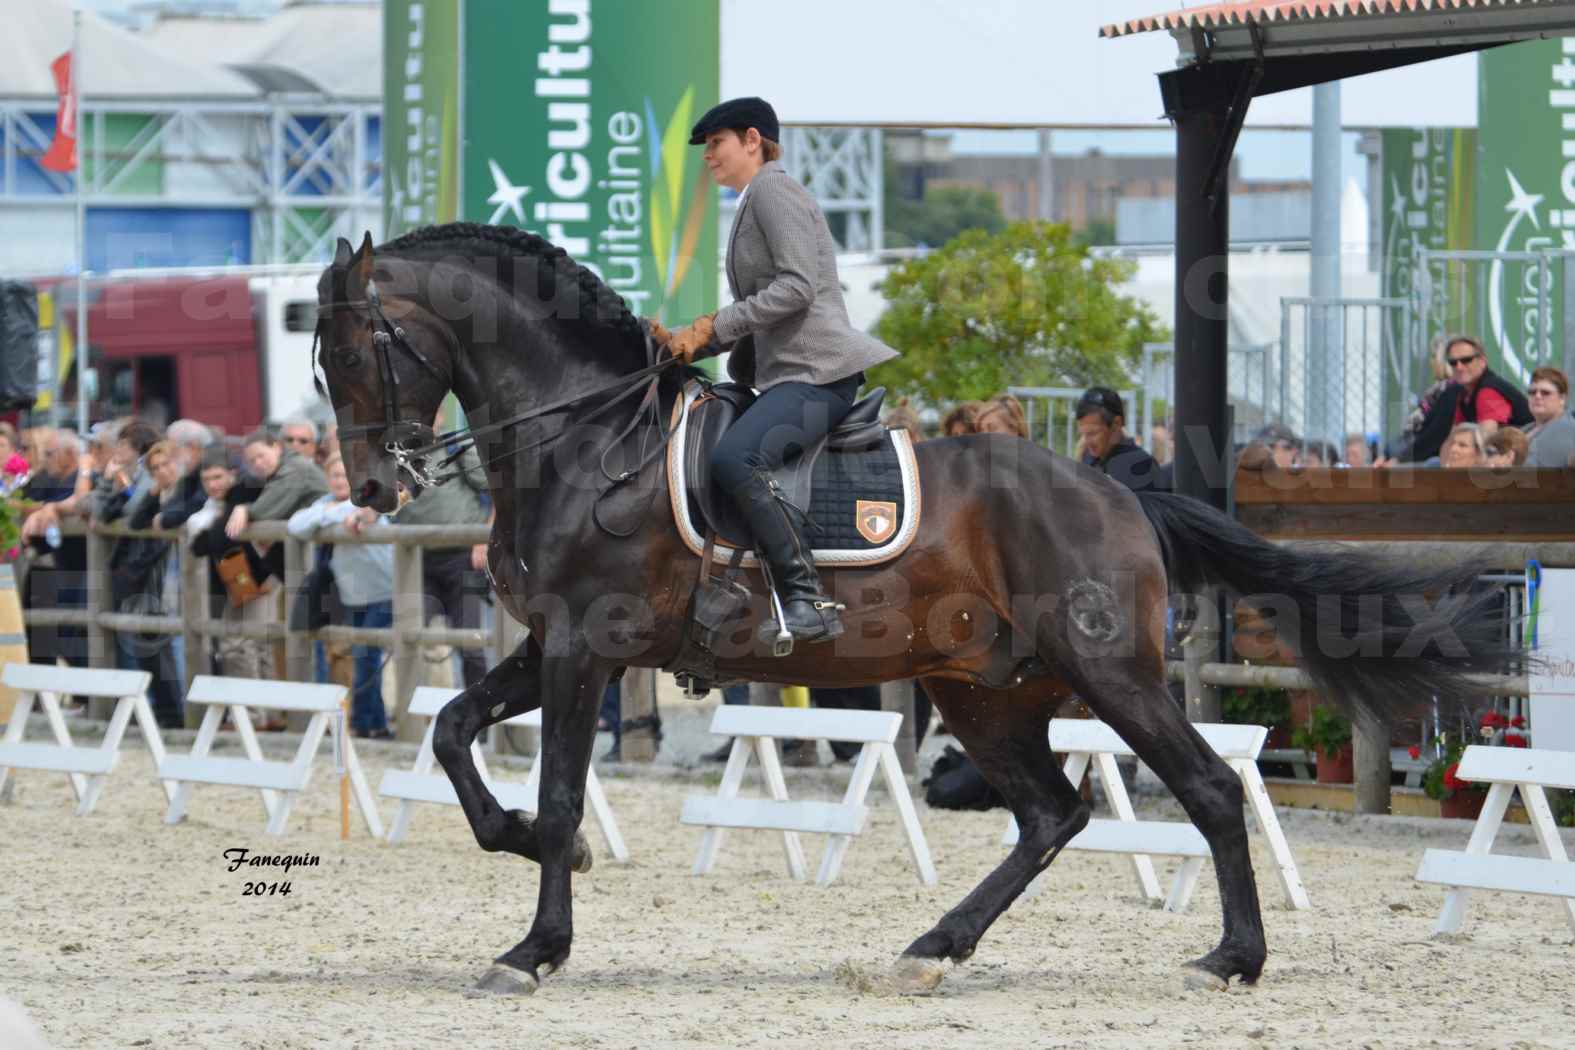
point(1261, 154)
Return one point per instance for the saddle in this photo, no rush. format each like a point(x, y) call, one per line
point(713, 511)
point(857, 487)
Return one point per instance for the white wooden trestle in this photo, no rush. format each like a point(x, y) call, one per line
point(87, 768)
point(277, 782)
point(757, 730)
point(1507, 770)
point(1086, 742)
point(421, 784)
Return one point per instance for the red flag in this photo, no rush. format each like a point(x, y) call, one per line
point(62, 155)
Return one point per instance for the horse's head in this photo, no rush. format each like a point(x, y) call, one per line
point(387, 362)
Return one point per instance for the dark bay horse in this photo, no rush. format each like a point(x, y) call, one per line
point(1032, 579)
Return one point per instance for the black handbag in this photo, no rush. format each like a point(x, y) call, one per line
point(317, 605)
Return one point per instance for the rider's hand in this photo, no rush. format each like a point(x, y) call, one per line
point(688, 341)
point(659, 331)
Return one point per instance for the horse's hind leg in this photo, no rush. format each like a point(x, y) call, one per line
point(1005, 732)
point(1149, 720)
point(1128, 693)
point(509, 689)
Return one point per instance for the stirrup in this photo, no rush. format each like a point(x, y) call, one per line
point(782, 641)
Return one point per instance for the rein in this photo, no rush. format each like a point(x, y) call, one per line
point(397, 433)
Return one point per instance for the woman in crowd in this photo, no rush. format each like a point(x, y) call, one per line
point(364, 575)
point(1506, 447)
point(290, 481)
point(1002, 414)
point(139, 472)
point(1463, 448)
point(961, 420)
point(1552, 430)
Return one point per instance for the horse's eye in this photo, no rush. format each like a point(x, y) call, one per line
point(347, 358)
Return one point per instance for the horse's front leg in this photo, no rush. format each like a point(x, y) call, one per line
point(509, 689)
point(572, 686)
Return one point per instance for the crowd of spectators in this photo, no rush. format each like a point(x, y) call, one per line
point(1470, 417)
point(205, 489)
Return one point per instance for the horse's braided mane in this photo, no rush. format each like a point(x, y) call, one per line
point(600, 305)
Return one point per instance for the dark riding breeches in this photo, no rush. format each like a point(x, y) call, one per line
point(779, 425)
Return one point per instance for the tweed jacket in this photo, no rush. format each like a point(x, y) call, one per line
point(782, 269)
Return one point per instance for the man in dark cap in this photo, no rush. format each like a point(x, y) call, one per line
point(1101, 424)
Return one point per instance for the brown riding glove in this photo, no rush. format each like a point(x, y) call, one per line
point(659, 331)
point(688, 341)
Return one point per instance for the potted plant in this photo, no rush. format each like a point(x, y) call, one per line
point(1262, 706)
point(1457, 798)
point(1328, 735)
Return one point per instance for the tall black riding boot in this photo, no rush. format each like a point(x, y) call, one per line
point(810, 615)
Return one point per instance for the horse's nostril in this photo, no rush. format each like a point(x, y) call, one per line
point(369, 491)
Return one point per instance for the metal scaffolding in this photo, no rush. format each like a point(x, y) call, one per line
point(842, 167)
point(308, 169)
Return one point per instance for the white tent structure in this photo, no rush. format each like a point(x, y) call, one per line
point(124, 64)
point(333, 49)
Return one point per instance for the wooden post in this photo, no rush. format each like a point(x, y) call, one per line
point(193, 610)
point(409, 617)
point(100, 599)
point(1198, 648)
point(638, 704)
point(298, 663)
point(1370, 759)
point(898, 696)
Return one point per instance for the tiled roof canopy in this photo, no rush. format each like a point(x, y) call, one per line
point(1271, 12)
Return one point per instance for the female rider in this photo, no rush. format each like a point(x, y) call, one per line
point(804, 356)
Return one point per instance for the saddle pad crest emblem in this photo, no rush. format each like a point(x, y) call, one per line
point(876, 520)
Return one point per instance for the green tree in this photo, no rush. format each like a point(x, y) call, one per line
point(945, 212)
point(1030, 306)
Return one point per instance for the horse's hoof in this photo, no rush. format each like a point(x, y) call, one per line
point(505, 980)
point(1195, 978)
point(583, 857)
point(914, 975)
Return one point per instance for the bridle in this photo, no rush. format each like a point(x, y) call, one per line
point(397, 433)
point(385, 335)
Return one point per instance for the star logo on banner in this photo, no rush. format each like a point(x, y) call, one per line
point(1521, 203)
point(506, 197)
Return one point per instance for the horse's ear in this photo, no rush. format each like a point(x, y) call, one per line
point(342, 254)
point(360, 268)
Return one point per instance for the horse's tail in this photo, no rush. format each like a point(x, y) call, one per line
point(1370, 631)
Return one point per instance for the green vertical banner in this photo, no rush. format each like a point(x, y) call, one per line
point(577, 117)
point(1526, 195)
point(421, 113)
point(1426, 200)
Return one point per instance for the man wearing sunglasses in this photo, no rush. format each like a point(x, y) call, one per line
point(1485, 398)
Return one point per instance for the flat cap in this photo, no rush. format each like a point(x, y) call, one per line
point(748, 112)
